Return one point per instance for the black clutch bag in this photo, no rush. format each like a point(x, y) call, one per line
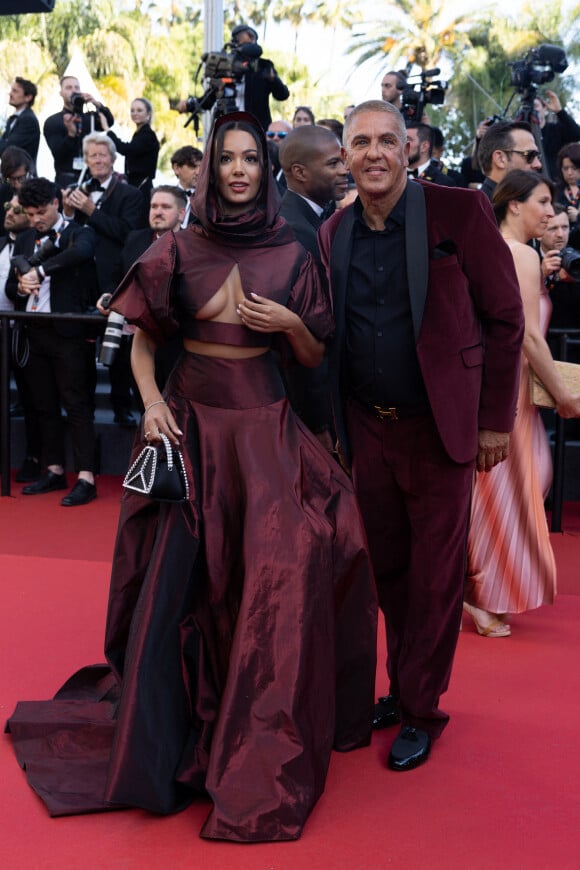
point(159, 473)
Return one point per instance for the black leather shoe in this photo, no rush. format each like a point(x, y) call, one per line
point(410, 749)
point(125, 419)
point(386, 713)
point(82, 493)
point(47, 483)
point(29, 471)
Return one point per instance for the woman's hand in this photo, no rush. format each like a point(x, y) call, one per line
point(572, 214)
point(157, 421)
point(264, 315)
point(103, 122)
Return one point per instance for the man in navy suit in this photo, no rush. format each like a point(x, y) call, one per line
point(22, 128)
point(425, 371)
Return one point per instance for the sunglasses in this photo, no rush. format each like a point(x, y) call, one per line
point(276, 135)
point(17, 209)
point(529, 156)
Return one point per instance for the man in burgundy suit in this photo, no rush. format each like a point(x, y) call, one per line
point(425, 367)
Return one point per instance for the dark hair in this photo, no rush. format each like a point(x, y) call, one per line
point(424, 133)
point(337, 127)
point(307, 111)
point(572, 152)
point(400, 75)
point(517, 185)
point(498, 137)
point(29, 88)
point(186, 156)
point(177, 193)
point(37, 192)
point(13, 158)
point(437, 138)
point(559, 209)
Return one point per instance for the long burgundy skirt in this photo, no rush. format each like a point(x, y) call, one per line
point(241, 627)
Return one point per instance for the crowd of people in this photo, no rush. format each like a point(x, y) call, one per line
point(337, 332)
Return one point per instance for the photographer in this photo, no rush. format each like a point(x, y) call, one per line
point(556, 256)
point(53, 271)
point(64, 132)
point(255, 84)
point(557, 128)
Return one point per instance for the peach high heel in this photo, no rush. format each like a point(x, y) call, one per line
point(486, 624)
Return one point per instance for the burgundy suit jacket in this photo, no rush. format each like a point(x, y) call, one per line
point(466, 307)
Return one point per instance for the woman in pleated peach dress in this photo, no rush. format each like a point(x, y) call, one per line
point(511, 565)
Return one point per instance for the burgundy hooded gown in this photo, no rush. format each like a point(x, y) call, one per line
point(240, 635)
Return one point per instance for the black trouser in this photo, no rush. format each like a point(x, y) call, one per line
point(56, 374)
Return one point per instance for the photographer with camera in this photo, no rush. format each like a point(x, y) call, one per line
point(112, 208)
point(64, 131)
point(557, 127)
point(243, 76)
point(53, 271)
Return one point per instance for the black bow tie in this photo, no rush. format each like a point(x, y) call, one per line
point(328, 209)
point(188, 192)
point(94, 186)
point(413, 173)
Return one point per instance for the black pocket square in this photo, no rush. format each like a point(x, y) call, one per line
point(444, 249)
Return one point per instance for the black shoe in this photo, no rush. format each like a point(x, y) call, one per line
point(29, 471)
point(47, 483)
point(125, 419)
point(410, 749)
point(82, 493)
point(386, 713)
point(17, 409)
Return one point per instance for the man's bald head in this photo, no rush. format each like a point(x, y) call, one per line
point(312, 160)
point(301, 146)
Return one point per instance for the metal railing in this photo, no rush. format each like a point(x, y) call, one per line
point(5, 318)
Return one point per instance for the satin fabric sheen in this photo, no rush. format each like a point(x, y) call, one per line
point(240, 632)
point(511, 565)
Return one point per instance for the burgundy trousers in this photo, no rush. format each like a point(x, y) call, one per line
point(415, 505)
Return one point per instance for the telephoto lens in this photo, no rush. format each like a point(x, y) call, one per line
point(111, 338)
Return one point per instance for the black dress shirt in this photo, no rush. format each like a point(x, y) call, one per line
point(382, 360)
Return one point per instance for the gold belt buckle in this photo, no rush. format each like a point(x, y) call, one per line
point(386, 413)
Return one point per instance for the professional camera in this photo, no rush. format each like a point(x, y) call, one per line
point(113, 333)
point(77, 103)
point(571, 262)
point(418, 94)
point(539, 66)
point(48, 249)
point(221, 70)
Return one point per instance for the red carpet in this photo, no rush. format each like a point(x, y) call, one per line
point(502, 788)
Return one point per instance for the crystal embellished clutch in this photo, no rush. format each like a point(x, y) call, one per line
point(159, 473)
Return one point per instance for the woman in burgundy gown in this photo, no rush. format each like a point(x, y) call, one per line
point(241, 625)
point(511, 566)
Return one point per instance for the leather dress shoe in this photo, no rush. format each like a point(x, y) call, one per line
point(386, 712)
point(47, 483)
point(82, 493)
point(410, 749)
point(125, 419)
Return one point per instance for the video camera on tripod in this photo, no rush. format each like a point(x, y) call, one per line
point(221, 71)
point(416, 95)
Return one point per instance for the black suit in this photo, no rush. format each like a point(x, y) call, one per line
point(119, 211)
point(303, 220)
point(23, 131)
point(56, 368)
point(65, 148)
point(307, 388)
